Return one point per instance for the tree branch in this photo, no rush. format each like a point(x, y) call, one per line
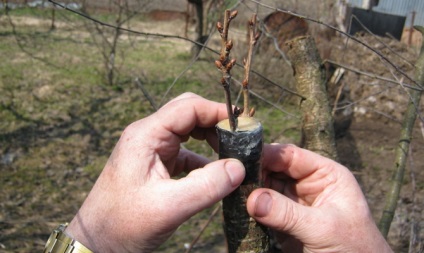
point(403, 148)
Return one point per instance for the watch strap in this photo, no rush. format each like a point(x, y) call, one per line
point(60, 242)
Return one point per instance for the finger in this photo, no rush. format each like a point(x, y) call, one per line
point(203, 187)
point(163, 131)
point(295, 162)
point(183, 96)
point(188, 161)
point(182, 115)
point(208, 134)
point(280, 213)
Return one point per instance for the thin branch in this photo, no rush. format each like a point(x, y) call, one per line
point(402, 149)
point(372, 75)
point(225, 64)
point(273, 104)
point(22, 46)
point(410, 96)
point(381, 41)
point(169, 36)
point(194, 60)
point(213, 214)
point(275, 42)
point(277, 85)
point(161, 35)
point(265, 100)
point(253, 39)
point(146, 93)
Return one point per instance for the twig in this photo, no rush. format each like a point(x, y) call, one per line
point(382, 78)
point(214, 212)
point(22, 46)
point(275, 42)
point(381, 41)
point(169, 36)
point(410, 96)
point(161, 35)
point(273, 104)
point(265, 100)
point(338, 74)
point(225, 64)
point(146, 94)
point(184, 71)
point(253, 39)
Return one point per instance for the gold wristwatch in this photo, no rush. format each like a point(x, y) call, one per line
point(60, 242)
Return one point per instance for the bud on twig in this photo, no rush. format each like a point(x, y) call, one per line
point(219, 27)
point(258, 34)
point(252, 112)
point(223, 81)
point(229, 45)
point(230, 65)
point(218, 64)
point(233, 14)
point(238, 111)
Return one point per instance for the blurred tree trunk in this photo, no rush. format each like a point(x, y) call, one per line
point(317, 122)
point(198, 4)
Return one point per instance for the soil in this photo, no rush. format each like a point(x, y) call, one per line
point(368, 149)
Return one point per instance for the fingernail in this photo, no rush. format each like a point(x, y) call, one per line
point(235, 171)
point(263, 205)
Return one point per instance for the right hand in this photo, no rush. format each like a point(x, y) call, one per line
point(313, 204)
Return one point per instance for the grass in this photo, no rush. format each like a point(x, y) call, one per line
point(60, 120)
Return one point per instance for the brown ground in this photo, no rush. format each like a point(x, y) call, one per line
point(369, 150)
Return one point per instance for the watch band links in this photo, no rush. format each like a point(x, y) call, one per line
point(59, 242)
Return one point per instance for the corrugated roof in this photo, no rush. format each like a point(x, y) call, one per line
point(397, 7)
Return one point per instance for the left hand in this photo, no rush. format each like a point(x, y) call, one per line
point(135, 205)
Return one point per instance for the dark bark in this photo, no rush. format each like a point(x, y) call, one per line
point(243, 233)
point(198, 4)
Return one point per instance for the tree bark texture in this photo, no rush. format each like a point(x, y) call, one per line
point(317, 122)
point(403, 146)
point(243, 233)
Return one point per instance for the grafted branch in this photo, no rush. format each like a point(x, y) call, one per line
point(225, 64)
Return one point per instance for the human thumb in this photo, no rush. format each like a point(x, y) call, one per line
point(203, 187)
point(280, 213)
